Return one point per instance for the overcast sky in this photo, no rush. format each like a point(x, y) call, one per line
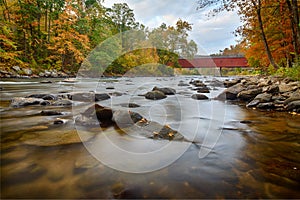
point(210, 34)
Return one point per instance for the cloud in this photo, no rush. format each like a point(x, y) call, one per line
point(212, 34)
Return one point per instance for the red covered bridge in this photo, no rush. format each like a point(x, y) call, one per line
point(214, 61)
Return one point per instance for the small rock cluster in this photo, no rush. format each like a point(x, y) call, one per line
point(160, 93)
point(264, 93)
point(127, 121)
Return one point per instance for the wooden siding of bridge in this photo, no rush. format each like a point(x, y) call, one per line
point(212, 62)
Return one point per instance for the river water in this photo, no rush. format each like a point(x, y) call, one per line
point(236, 153)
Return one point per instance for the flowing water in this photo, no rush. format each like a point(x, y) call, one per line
point(236, 153)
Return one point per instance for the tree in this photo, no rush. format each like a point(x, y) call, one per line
point(269, 26)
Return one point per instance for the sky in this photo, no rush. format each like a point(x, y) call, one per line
point(210, 33)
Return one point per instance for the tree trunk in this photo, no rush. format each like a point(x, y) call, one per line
point(263, 35)
point(297, 23)
point(294, 18)
point(46, 20)
point(7, 10)
point(49, 24)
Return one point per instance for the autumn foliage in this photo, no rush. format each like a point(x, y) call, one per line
point(270, 32)
point(60, 34)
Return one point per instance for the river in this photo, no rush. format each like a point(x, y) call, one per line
point(236, 153)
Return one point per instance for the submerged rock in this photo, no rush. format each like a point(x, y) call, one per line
point(130, 105)
point(125, 118)
point(155, 130)
point(63, 102)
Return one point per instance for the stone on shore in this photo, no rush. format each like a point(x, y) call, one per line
point(294, 106)
point(231, 92)
point(294, 97)
point(263, 97)
point(249, 94)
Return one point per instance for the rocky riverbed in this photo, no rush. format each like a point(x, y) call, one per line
point(72, 139)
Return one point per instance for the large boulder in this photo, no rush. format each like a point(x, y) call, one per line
point(21, 101)
point(249, 94)
point(155, 95)
point(165, 90)
point(232, 92)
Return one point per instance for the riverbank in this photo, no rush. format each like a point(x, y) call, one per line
point(25, 73)
point(265, 93)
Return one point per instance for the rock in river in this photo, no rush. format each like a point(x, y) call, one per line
point(89, 97)
point(50, 113)
point(165, 90)
point(21, 101)
point(103, 114)
point(155, 95)
point(199, 97)
point(125, 118)
point(63, 102)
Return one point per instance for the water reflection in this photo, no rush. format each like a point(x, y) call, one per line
point(257, 159)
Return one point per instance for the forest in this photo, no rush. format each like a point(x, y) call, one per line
point(60, 34)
